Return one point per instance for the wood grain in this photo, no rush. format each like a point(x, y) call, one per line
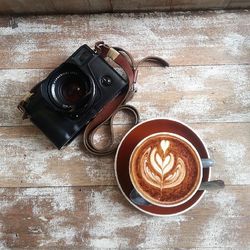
point(239, 3)
point(194, 5)
point(100, 218)
point(68, 199)
point(28, 158)
point(201, 38)
point(191, 94)
point(53, 6)
point(86, 6)
point(25, 6)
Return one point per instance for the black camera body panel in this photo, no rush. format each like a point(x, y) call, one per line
point(61, 125)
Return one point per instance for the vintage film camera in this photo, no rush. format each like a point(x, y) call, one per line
point(74, 93)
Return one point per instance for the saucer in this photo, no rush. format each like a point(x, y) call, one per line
point(133, 137)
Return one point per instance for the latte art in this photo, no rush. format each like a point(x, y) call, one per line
point(165, 169)
point(160, 168)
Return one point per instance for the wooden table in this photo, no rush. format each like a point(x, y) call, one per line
point(56, 199)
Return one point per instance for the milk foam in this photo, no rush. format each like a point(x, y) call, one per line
point(160, 168)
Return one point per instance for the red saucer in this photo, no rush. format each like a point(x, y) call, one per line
point(133, 137)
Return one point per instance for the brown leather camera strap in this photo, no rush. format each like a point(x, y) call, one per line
point(107, 114)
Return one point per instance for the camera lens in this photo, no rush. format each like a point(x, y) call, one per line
point(73, 89)
point(70, 89)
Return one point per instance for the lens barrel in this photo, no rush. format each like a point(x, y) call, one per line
point(70, 89)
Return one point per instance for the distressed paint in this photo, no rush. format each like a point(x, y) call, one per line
point(40, 164)
point(100, 217)
point(207, 87)
point(191, 93)
point(204, 38)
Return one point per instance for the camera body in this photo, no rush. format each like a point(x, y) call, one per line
point(72, 95)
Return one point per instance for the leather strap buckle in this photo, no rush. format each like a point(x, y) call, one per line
point(113, 54)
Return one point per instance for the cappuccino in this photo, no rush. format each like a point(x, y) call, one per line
point(165, 169)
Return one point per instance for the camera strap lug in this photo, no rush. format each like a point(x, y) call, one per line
point(22, 103)
point(106, 115)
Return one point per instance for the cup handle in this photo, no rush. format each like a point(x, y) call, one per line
point(137, 199)
point(207, 163)
point(206, 185)
point(212, 185)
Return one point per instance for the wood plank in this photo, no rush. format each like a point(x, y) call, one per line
point(28, 159)
point(81, 6)
point(198, 5)
point(100, 217)
point(53, 6)
point(239, 4)
point(138, 6)
point(201, 38)
point(191, 94)
point(161, 5)
point(213, 99)
point(26, 6)
point(85, 6)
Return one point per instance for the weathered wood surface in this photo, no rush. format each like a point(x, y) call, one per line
point(201, 38)
point(95, 6)
point(207, 86)
point(192, 94)
point(99, 218)
point(28, 158)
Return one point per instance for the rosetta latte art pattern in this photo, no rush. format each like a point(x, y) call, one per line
point(159, 167)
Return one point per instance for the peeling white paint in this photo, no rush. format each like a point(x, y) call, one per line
point(21, 50)
point(60, 200)
point(60, 231)
point(161, 231)
point(193, 33)
point(205, 132)
point(109, 223)
point(234, 155)
point(207, 93)
point(41, 164)
point(195, 106)
point(33, 159)
point(107, 230)
point(34, 230)
point(14, 82)
point(112, 218)
point(71, 155)
point(42, 218)
point(25, 28)
point(2, 244)
point(64, 201)
point(102, 207)
point(234, 42)
point(241, 87)
point(214, 231)
point(104, 243)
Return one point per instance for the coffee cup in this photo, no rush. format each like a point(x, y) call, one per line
point(166, 170)
point(122, 162)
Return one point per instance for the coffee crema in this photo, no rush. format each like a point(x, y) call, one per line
point(165, 169)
